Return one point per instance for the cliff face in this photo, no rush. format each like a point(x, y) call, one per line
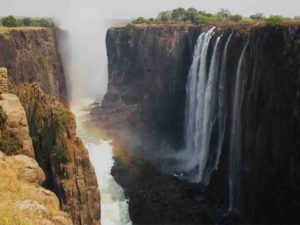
point(23, 199)
point(61, 154)
point(32, 55)
point(36, 76)
point(146, 89)
point(271, 125)
point(148, 68)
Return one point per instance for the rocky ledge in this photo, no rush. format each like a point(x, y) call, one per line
point(22, 198)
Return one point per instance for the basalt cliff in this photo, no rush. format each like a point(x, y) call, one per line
point(144, 112)
point(46, 129)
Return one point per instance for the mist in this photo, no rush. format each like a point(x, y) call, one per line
point(86, 22)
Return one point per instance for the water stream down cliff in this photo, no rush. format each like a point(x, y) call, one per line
point(205, 114)
point(114, 205)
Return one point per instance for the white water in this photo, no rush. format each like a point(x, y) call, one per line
point(114, 206)
point(235, 141)
point(205, 113)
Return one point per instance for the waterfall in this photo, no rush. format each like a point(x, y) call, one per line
point(235, 140)
point(114, 205)
point(205, 114)
point(221, 113)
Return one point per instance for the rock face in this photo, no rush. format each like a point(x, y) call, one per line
point(22, 196)
point(15, 118)
point(148, 68)
point(61, 154)
point(32, 55)
point(146, 89)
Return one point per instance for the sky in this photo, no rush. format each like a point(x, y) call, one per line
point(87, 22)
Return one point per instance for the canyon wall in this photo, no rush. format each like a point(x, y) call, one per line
point(144, 110)
point(146, 89)
point(37, 77)
point(32, 55)
point(61, 154)
point(23, 199)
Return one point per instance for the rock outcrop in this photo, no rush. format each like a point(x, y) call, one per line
point(32, 55)
point(61, 154)
point(15, 124)
point(22, 199)
point(148, 68)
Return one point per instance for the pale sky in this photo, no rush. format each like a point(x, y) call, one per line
point(86, 20)
point(132, 8)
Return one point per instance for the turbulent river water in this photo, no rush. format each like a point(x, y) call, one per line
point(114, 205)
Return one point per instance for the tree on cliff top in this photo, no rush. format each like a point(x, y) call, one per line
point(140, 20)
point(9, 21)
point(274, 20)
point(27, 21)
point(178, 14)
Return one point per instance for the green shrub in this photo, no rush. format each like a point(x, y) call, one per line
point(140, 20)
point(45, 23)
point(3, 118)
point(274, 20)
point(165, 17)
point(9, 21)
point(235, 18)
point(247, 21)
point(58, 153)
point(10, 144)
point(27, 21)
point(178, 14)
point(200, 19)
point(191, 13)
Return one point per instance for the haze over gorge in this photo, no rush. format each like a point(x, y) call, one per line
point(115, 116)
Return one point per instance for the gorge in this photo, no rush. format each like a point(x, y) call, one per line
point(248, 122)
point(200, 124)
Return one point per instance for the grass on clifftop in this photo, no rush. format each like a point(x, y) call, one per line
point(12, 189)
point(7, 29)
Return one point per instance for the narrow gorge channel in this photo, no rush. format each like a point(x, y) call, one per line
point(114, 205)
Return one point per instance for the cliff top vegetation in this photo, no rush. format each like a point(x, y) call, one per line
point(193, 16)
point(11, 21)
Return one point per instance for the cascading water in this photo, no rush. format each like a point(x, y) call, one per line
point(114, 206)
point(235, 141)
point(205, 114)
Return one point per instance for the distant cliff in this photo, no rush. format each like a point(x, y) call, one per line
point(32, 55)
point(144, 110)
